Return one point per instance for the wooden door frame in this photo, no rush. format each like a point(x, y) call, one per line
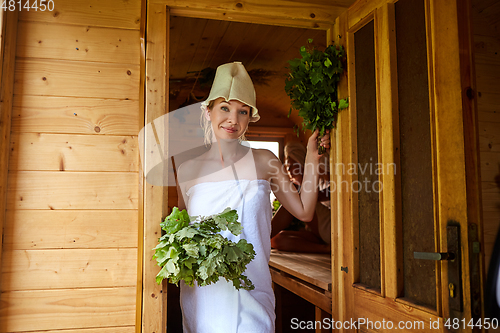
point(440, 101)
point(8, 42)
point(151, 311)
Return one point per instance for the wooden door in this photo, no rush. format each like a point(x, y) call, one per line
point(404, 170)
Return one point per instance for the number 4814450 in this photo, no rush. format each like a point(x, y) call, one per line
point(485, 323)
point(27, 5)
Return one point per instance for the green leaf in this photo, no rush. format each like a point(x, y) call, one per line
point(343, 103)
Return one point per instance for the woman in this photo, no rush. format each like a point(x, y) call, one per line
point(232, 175)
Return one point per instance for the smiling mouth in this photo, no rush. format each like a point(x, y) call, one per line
point(229, 130)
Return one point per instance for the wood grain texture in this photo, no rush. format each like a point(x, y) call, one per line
point(44, 114)
point(117, 329)
point(377, 308)
point(310, 294)
point(66, 309)
point(65, 152)
point(8, 31)
point(59, 269)
point(250, 18)
point(389, 141)
point(76, 79)
point(72, 190)
point(110, 13)
point(83, 43)
point(490, 166)
point(69, 229)
point(488, 102)
point(312, 268)
point(489, 137)
point(277, 9)
point(155, 199)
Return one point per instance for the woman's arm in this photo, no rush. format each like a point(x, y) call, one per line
point(301, 206)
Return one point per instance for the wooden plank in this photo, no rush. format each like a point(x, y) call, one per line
point(66, 309)
point(58, 269)
point(84, 43)
point(487, 101)
point(493, 117)
point(76, 79)
point(489, 137)
point(117, 329)
point(65, 152)
point(450, 195)
point(486, 50)
point(360, 11)
point(8, 32)
point(323, 317)
point(140, 210)
point(69, 229)
point(385, 43)
point(109, 13)
point(153, 304)
point(250, 18)
point(260, 11)
point(487, 78)
point(318, 274)
point(308, 293)
point(490, 166)
point(72, 190)
point(338, 292)
point(491, 197)
point(75, 115)
point(380, 309)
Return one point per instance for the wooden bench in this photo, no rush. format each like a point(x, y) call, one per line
point(307, 275)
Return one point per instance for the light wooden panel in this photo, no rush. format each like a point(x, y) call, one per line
point(489, 137)
point(8, 31)
point(261, 12)
point(491, 197)
point(75, 115)
point(76, 79)
point(155, 200)
point(68, 229)
point(86, 43)
point(488, 102)
point(59, 269)
point(486, 50)
point(72, 190)
point(120, 329)
point(65, 152)
point(490, 166)
point(67, 308)
point(109, 13)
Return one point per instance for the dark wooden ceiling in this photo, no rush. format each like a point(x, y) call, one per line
point(198, 44)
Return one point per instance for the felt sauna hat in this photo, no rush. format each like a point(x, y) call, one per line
point(233, 82)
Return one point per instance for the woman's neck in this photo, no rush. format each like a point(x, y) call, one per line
point(227, 151)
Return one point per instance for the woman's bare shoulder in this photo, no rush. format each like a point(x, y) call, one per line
point(267, 163)
point(263, 155)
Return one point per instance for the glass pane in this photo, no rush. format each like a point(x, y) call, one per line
point(416, 156)
point(368, 198)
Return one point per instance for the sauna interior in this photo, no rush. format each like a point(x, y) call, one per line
point(80, 79)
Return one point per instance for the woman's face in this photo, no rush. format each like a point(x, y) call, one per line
point(294, 170)
point(229, 119)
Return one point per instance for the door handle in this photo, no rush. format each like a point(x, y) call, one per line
point(453, 265)
point(434, 255)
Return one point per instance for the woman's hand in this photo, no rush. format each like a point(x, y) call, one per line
point(312, 144)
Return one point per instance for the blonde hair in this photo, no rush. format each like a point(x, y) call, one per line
point(206, 124)
point(297, 151)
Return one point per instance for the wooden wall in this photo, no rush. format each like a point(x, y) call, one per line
point(487, 63)
point(69, 258)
